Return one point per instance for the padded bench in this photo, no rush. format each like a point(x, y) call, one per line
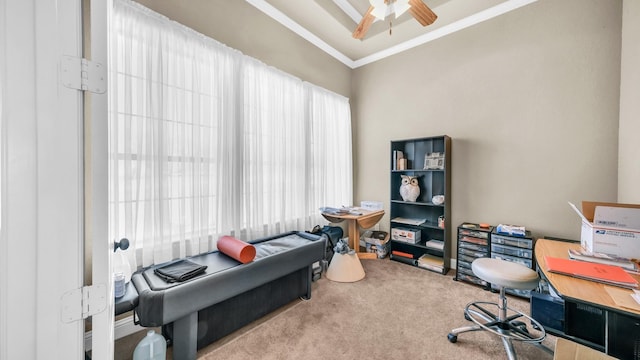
point(229, 294)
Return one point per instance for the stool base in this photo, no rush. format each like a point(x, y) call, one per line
point(504, 322)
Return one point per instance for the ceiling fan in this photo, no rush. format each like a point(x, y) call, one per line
point(382, 8)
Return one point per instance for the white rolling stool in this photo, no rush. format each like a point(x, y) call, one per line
point(497, 318)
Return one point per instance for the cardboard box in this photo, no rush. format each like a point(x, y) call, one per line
point(376, 242)
point(568, 350)
point(407, 235)
point(610, 228)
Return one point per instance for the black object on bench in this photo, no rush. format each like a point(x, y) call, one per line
point(229, 294)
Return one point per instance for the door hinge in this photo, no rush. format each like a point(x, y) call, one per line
point(82, 74)
point(81, 303)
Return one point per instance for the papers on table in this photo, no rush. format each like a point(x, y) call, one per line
point(584, 255)
point(623, 298)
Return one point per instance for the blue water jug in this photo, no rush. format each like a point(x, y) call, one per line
point(151, 347)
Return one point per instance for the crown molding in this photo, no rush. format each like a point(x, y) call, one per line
point(454, 27)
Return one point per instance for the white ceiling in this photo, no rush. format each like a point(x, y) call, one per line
point(328, 24)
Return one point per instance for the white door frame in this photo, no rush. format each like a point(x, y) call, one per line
point(97, 181)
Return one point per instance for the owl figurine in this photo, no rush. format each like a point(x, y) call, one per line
point(409, 189)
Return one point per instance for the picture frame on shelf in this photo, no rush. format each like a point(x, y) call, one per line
point(434, 161)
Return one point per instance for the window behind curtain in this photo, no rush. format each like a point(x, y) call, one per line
point(206, 142)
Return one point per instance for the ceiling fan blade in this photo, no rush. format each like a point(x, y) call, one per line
point(422, 13)
point(364, 25)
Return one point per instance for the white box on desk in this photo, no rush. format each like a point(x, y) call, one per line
point(598, 233)
point(406, 235)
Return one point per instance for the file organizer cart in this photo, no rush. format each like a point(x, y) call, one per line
point(514, 248)
point(473, 243)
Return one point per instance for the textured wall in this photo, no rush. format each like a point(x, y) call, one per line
point(629, 156)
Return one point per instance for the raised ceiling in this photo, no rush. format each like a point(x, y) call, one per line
point(328, 24)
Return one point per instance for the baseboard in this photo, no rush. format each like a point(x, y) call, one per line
point(121, 328)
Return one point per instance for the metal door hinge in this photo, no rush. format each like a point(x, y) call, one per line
point(82, 74)
point(81, 303)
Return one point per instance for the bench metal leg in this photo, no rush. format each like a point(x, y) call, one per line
point(185, 337)
point(307, 296)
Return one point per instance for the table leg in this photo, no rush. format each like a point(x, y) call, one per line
point(354, 235)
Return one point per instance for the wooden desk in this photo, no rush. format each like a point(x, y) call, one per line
point(591, 316)
point(365, 221)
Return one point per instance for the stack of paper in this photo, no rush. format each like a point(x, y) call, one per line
point(600, 258)
point(431, 262)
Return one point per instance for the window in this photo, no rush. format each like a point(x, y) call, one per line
point(206, 141)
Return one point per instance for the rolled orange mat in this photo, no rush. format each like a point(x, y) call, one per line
point(237, 249)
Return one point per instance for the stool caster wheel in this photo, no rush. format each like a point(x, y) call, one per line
point(452, 338)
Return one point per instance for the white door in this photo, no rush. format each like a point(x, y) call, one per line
point(43, 185)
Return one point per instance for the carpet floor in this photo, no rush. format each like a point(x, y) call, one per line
point(396, 312)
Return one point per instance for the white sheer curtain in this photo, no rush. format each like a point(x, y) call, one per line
point(206, 141)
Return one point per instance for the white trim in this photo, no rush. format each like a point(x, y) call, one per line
point(121, 328)
point(456, 26)
point(348, 9)
point(4, 248)
point(298, 29)
point(464, 23)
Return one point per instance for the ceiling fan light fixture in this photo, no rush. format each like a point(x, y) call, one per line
point(380, 12)
point(400, 7)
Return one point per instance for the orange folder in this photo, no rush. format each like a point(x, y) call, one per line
point(608, 274)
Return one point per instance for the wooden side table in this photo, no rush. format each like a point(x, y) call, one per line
point(365, 221)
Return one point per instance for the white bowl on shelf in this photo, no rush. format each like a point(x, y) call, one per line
point(438, 199)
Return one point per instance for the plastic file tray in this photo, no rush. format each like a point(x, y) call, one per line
point(473, 247)
point(526, 262)
point(477, 234)
point(472, 279)
point(513, 251)
point(511, 241)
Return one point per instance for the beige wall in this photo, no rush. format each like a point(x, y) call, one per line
point(629, 156)
point(241, 26)
point(530, 100)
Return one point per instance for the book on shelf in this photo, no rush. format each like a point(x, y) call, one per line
point(409, 221)
point(431, 262)
point(631, 265)
point(397, 156)
point(607, 274)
